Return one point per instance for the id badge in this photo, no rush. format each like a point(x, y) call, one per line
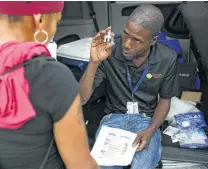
point(132, 108)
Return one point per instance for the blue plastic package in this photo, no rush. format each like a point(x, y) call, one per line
point(195, 138)
point(194, 145)
point(189, 121)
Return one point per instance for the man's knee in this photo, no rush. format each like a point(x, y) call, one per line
point(150, 156)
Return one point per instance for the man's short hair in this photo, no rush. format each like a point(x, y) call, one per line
point(149, 17)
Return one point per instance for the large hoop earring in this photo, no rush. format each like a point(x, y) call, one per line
point(41, 31)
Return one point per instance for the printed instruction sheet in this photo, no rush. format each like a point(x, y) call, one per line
point(113, 147)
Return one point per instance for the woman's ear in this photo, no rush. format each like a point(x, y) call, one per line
point(38, 20)
point(154, 40)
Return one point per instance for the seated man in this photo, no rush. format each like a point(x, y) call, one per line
point(136, 70)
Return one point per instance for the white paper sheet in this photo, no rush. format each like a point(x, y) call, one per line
point(113, 147)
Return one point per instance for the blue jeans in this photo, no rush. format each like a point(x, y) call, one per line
point(147, 158)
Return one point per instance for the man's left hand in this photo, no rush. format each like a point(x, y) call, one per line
point(142, 139)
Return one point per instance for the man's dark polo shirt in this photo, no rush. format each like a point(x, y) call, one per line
point(162, 63)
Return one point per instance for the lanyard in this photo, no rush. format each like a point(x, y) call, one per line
point(133, 90)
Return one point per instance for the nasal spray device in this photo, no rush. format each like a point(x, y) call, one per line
point(109, 38)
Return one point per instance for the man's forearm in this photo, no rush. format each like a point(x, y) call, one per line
point(86, 82)
point(160, 114)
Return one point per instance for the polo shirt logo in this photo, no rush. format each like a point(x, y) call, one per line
point(156, 76)
point(149, 76)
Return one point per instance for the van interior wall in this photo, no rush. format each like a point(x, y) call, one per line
point(76, 19)
point(80, 10)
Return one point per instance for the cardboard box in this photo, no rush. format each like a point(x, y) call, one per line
point(191, 96)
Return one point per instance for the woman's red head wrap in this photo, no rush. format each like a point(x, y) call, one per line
point(21, 8)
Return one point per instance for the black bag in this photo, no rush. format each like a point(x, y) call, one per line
point(187, 76)
point(195, 15)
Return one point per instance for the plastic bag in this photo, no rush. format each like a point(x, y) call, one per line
point(180, 107)
point(190, 121)
point(195, 138)
point(187, 129)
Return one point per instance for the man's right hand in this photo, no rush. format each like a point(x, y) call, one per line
point(100, 50)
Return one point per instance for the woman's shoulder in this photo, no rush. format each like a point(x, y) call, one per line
point(42, 64)
point(52, 86)
point(48, 70)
